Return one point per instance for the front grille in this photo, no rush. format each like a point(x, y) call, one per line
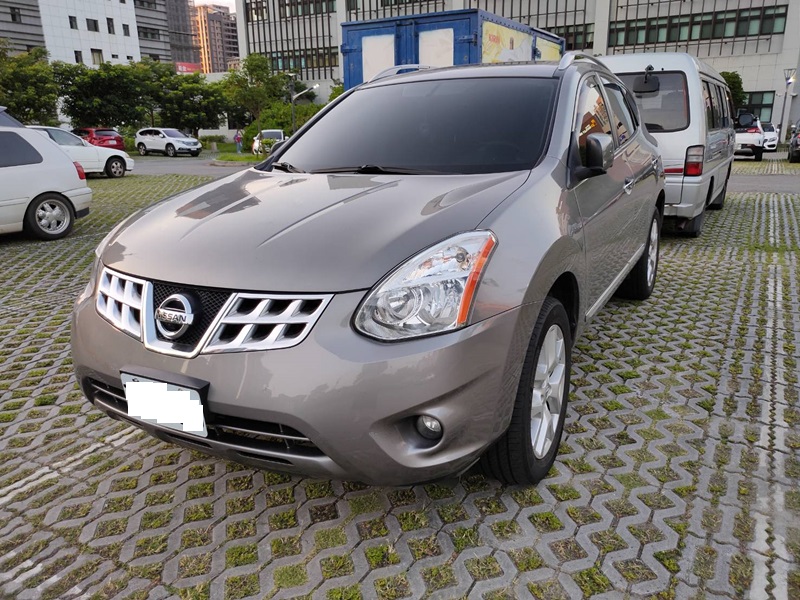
point(119, 301)
point(211, 301)
point(257, 436)
point(266, 322)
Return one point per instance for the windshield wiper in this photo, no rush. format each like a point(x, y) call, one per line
point(287, 167)
point(377, 170)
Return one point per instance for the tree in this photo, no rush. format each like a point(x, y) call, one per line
point(192, 104)
point(254, 86)
point(734, 81)
point(336, 91)
point(27, 86)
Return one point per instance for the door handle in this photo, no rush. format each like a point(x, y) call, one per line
point(628, 187)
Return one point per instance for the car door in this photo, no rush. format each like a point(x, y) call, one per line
point(20, 163)
point(78, 151)
point(643, 163)
point(159, 140)
point(602, 199)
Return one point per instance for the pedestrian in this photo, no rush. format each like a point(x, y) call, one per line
point(238, 139)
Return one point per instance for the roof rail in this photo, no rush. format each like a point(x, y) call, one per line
point(573, 55)
point(396, 69)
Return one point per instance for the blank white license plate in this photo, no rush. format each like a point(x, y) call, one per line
point(164, 404)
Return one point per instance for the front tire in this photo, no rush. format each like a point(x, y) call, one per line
point(170, 150)
point(142, 149)
point(49, 217)
point(528, 448)
point(115, 168)
point(641, 281)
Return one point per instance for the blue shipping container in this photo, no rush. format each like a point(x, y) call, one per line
point(441, 39)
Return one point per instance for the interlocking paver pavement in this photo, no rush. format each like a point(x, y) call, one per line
point(679, 474)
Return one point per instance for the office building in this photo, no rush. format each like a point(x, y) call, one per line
point(183, 43)
point(215, 28)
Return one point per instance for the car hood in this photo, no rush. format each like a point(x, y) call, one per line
point(301, 232)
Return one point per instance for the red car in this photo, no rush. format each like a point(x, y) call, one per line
point(101, 136)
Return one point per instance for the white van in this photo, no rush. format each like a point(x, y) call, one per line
point(687, 107)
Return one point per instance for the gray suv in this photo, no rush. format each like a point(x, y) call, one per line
point(395, 308)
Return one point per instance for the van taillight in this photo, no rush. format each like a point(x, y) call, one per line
point(79, 169)
point(694, 161)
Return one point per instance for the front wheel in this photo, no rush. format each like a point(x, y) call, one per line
point(171, 151)
point(115, 168)
point(49, 217)
point(142, 149)
point(641, 281)
point(527, 450)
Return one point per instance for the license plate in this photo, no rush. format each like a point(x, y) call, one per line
point(738, 146)
point(164, 404)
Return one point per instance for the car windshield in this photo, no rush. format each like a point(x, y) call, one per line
point(485, 125)
point(668, 108)
point(768, 127)
point(106, 133)
point(173, 133)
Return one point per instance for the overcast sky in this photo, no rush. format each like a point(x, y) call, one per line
point(229, 3)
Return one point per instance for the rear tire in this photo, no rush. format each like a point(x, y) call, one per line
point(528, 448)
point(49, 217)
point(720, 200)
point(759, 155)
point(641, 281)
point(115, 168)
point(792, 157)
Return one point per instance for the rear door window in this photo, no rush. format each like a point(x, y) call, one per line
point(624, 124)
point(16, 151)
point(668, 108)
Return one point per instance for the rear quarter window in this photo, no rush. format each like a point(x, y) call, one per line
point(668, 108)
point(16, 151)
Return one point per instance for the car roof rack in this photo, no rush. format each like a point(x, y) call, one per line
point(398, 69)
point(573, 55)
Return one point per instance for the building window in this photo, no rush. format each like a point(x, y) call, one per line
point(144, 3)
point(129, 57)
point(92, 25)
point(299, 8)
point(760, 104)
point(115, 56)
point(97, 56)
point(16, 15)
point(79, 57)
point(147, 33)
point(577, 37)
point(701, 26)
point(126, 30)
point(73, 22)
point(110, 25)
point(155, 57)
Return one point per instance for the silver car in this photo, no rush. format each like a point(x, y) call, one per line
point(392, 309)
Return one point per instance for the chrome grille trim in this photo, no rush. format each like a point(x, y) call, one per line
point(120, 300)
point(266, 322)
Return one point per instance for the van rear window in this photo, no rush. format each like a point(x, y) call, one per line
point(668, 108)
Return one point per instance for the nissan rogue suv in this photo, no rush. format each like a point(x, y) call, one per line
point(393, 309)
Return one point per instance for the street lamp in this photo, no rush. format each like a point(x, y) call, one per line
point(788, 74)
point(296, 96)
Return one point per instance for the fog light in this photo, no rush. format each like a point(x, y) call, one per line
point(429, 428)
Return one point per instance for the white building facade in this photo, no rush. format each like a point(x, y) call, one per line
point(90, 31)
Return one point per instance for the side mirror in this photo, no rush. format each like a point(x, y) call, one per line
point(276, 146)
point(599, 156)
point(745, 120)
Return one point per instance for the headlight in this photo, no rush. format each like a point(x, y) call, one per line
point(430, 293)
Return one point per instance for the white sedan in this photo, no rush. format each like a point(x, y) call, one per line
point(93, 159)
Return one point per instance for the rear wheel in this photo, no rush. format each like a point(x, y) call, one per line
point(720, 200)
point(49, 217)
point(170, 149)
point(115, 167)
point(759, 154)
point(526, 451)
point(792, 156)
point(641, 281)
point(142, 149)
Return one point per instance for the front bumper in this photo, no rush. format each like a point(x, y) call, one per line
point(350, 400)
point(771, 145)
point(129, 164)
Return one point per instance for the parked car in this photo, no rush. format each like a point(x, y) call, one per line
point(686, 105)
point(42, 191)
point(770, 137)
point(94, 159)
point(794, 147)
point(101, 136)
point(749, 136)
point(264, 139)
point(166, 141)
point(394, 308)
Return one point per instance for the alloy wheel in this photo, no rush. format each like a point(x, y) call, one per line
point(548, 391)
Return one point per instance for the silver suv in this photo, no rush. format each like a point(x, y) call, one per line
point(393, 309)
